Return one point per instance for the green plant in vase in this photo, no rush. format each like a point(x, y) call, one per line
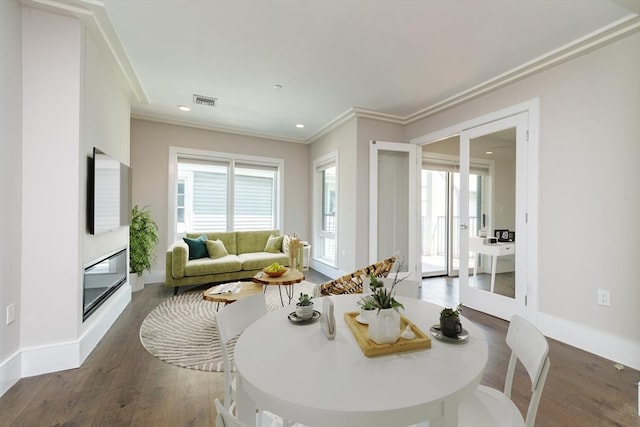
point(143, 238)
point(304, 307)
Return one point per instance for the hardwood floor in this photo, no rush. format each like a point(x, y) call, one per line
point(121, 384)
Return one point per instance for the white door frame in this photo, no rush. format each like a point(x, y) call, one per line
point(532, 108)
point(411, 258)
point(493, 303)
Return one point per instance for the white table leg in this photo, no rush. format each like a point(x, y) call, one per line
point(494, 264)
point(245, 406)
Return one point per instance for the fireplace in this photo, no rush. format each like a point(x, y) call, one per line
point(101, 280)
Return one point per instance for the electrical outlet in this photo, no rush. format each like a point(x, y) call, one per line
point(604, 297)
point(11, 313)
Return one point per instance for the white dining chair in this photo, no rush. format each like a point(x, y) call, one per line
point(225, 418)
point(493, 408)
point(232, 320)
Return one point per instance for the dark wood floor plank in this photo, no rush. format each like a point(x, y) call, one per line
point(121, 384)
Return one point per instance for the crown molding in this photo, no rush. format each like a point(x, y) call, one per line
point(197, 125)
point(94, 17)
point(615, 31)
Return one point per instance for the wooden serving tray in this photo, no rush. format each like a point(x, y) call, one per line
point(370, 348)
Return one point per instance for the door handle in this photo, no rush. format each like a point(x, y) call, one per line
point(463, 226)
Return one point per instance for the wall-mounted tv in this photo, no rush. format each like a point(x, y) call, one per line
point(109, 198)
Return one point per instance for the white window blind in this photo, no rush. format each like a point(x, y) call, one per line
point(227, 195)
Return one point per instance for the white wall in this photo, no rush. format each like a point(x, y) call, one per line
point(70, 101)
point(588, 197)
point(51, 173)
point(378, 131)
point(150, 142)
point(10, 186)
point(340, 140)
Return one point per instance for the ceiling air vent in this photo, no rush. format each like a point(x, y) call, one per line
point(204, 100)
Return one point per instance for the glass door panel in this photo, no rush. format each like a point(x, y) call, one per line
point(434, 219)
point(490, 279)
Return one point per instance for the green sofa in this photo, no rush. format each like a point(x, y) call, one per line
point(246, 255)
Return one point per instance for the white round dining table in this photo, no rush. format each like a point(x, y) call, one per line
point(299, 374)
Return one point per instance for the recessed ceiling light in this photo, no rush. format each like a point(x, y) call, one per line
point(488, 152)
point(277, 86)
point(299, 125)
point(184, 108)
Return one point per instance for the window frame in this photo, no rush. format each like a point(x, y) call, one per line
point(182, 152)
point(319, 234)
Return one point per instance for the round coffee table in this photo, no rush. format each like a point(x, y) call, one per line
point(246, 289)
point(288, 279)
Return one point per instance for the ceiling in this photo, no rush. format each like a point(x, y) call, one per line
point(393, 60)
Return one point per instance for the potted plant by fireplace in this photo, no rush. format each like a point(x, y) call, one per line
point(143, 238)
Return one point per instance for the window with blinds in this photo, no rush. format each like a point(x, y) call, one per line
point(226, 195)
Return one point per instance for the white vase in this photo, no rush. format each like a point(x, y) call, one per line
point(136, 281)
point(384, 327)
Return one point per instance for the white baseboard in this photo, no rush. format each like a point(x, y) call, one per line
point(10, 372)
point(616, 349)
point(106, 318)
point(326, 269)
point(69, 355)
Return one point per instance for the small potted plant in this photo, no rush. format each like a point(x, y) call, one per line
point(384, 327)
point(143, 238)
point(304, 307)
point(367, 309)
point(450, 321)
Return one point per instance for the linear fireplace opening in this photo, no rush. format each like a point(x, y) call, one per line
point(101, 280)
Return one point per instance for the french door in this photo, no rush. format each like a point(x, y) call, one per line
point(499, 287)
point(393, 210)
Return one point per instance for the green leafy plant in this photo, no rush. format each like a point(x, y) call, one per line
point(451, 312)
point(382, 297)
point(366, 303)
point(305, 300)
point(143, 238)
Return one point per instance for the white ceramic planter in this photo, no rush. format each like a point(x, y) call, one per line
point(136, 282)
point(384, 327)
point(304, 312)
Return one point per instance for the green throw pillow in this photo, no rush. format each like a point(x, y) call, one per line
point(274, 244)
point(197, 247)
point(216, 249)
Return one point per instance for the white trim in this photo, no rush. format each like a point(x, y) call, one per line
point(331, 158)
point(172, 121)
point(94, 17)
point(71, 354)
point(413, 220)
point(175, 152)
point(601, 343)
point(583, 45)
point(326, 269)
point(10, 372)
point(532, 108)
point(114, 307)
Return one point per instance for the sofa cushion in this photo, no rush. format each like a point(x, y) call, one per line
point(197, 247)
point(274, 244)
point(253, 241)
point(202, 266)
point(259, 260)
point(216, 249)
point(226, 237)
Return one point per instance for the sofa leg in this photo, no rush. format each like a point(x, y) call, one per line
point(175, 291)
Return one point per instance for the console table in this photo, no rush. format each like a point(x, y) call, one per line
point(494, 250)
